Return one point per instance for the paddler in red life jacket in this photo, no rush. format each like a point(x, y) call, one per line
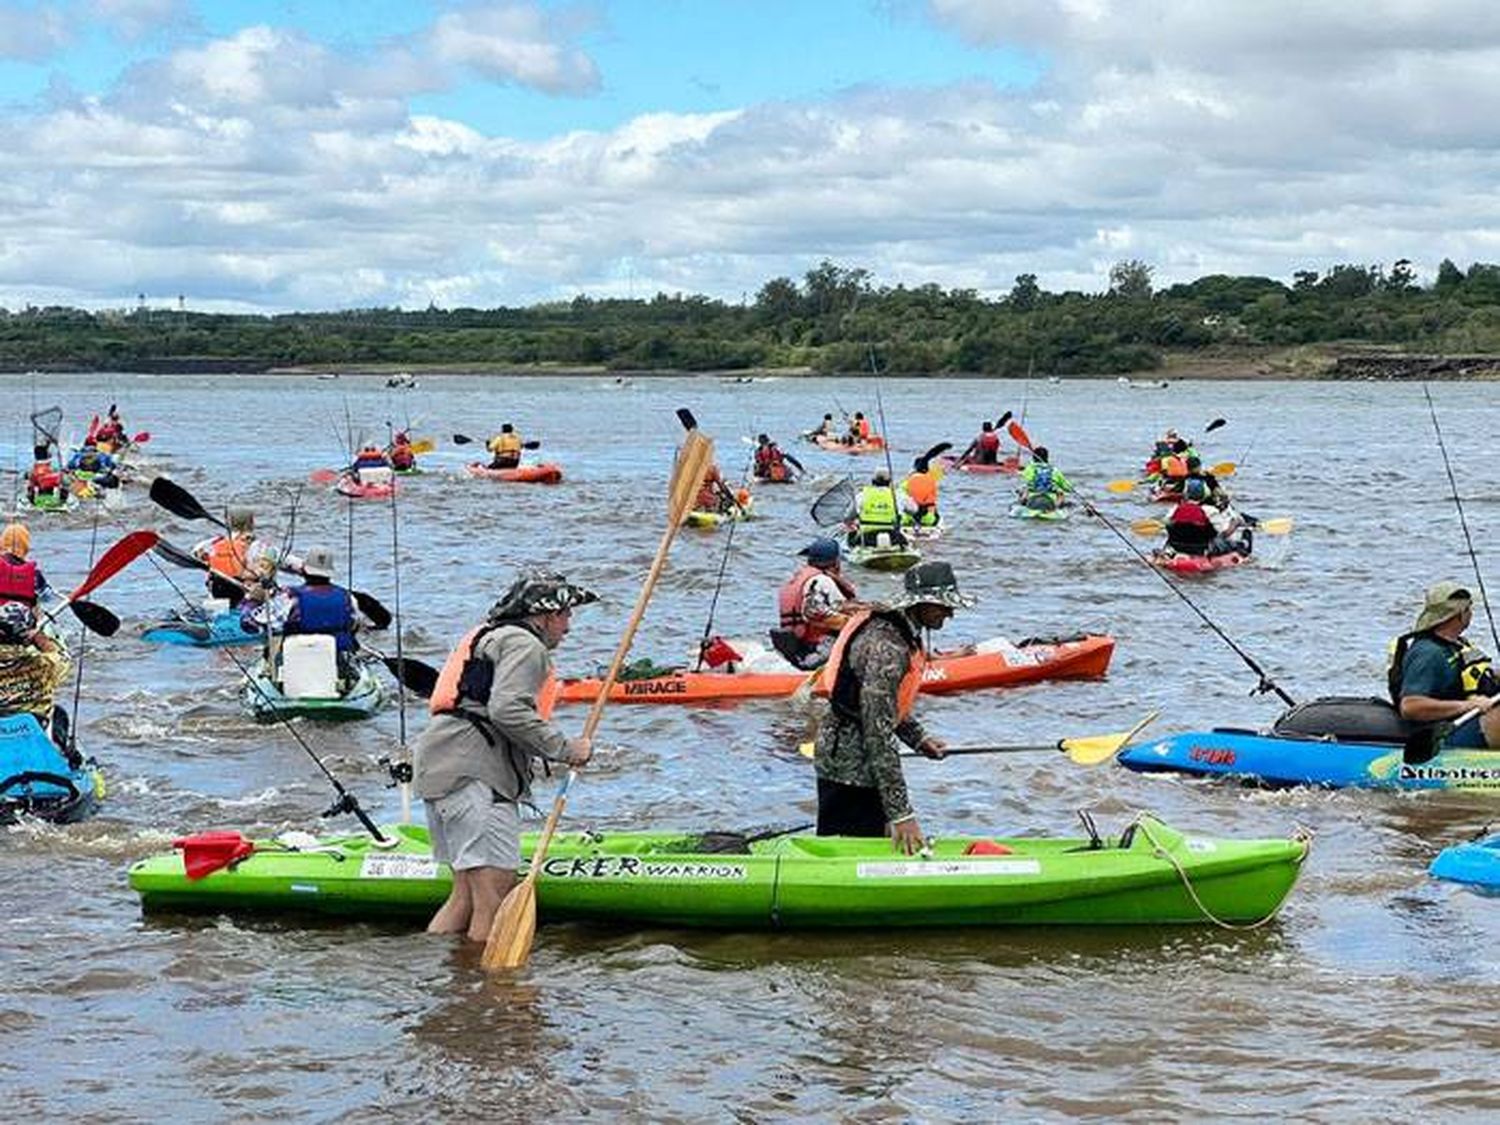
point(1191, 530)
point(472, 765)
point(371, 465)
point(987, 446)
point(859, 430)
point(771, 464)
point(20, 578)
point(506, 447)
point(814, 605)
point(874, 673)
point(45, 481)
point(32, 664)
point(403, 456)
point(110, 433)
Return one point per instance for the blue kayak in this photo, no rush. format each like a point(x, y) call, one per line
point(201, 629)
point(36, 779)
point(1476, 864)
point(1333, 743)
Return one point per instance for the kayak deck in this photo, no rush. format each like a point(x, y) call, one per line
point(787, 881)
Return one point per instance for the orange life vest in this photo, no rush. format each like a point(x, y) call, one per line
point(230, 556)
point(864, 429)
point(792, 596)
point(445, 695)
point(923, 489)
point(911, 683)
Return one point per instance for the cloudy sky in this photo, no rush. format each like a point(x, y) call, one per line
point(313, 154)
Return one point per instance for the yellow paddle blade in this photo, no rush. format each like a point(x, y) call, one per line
point(1280, 525)
point(1147, 526)
point(806, 749)
point(426, 445)
point(805, 689)
point(1223, 469)
point(1096, 749)
point(1120, 485)
point(514, 929)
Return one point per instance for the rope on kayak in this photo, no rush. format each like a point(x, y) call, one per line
point(1143, 821)
point(1266, 684)
point(1462, 522)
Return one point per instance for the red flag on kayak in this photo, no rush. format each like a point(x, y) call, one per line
point(207, 852)
point(719, 652)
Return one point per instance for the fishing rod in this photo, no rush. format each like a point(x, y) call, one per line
point(713, 605)
point(1266, 683)
point(401, 771)
point(74, 757)
point(1462, 521)
point(346, 802)
point(885, 434)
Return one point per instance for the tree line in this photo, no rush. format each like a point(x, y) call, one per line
point(835, 319)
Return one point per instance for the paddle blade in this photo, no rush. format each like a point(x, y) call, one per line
point(1214, 425)
point(514, 930)
point(1097, 749)
point(533, 444)
point(178, 557)
point(462, 439)
point(1147, 526)
point(141, 438)
point(806, 748)
point(1019, 435)
point(179, 501)
point(426, 445)
point(1280, 525)
point(323, 476)
point(1223, 469)
point(685, 416)
point(418, 677)
point(370, 606)
point(95, 618)
point(114, 560)
point(1004, 418)
point(1120, 486)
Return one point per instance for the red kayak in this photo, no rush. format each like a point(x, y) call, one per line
point(545, 473)
point(1164, 559)
point(764, 675)
point(1011, 464)
point(348, 486)
point(873, 444)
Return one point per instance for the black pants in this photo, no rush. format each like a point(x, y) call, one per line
point(849, 810)
point(219, 588)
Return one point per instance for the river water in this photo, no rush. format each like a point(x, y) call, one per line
point(1372, 996)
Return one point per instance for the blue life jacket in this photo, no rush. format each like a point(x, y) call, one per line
point(1042, 481)
point(324, 609)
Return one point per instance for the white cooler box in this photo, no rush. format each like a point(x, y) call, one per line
point(374, 475)
point(309, 667)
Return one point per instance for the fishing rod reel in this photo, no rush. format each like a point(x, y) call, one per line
point(400, 772)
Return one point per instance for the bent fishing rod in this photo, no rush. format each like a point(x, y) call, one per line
point(1462, 521)
point(1266, 684)
point(713, 605)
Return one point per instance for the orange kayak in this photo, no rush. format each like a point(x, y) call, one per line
point(873, 445)
point(545, 473)
point(990, 664)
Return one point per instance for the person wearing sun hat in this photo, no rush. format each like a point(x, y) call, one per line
point(472, 765)
point(1437, 676)
point(873, 675)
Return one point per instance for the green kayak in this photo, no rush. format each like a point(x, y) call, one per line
point(739, 881)
point(266, 703)
point(884, 558)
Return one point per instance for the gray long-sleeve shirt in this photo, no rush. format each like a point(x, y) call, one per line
point(452, 749)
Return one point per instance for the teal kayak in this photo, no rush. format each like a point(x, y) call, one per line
point(37, 779)
point(884, 558)
point(266, 703)
point(201, 629)
point(1022, 512)
point(1150, 874)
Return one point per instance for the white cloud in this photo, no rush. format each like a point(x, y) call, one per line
point(516, 43)
point(135, 19)
point(32, 32)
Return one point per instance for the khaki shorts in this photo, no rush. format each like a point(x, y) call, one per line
point(470, 828)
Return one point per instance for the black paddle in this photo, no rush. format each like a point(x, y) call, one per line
point(464, 439)
point(974, 445)
point(179, 501)
point(924, 462)
point(419, 677)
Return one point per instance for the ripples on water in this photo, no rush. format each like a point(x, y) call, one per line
point(1373, 996)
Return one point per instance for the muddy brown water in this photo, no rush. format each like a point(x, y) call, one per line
point(1373, 996)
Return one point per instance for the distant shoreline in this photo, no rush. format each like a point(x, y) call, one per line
point(1312, 362)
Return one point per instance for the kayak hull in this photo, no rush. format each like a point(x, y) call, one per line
point(1007, 466)
point(887, 559)
point(1475, 864)
point(1197, 564)
point(1049, 515)
point(791, 882)
point(200, 630)
point(1279, 761)
point(833, 445)
point(545, 473)
point(36, 780)
point(993, 664)
point(266, 704)
point(354, 490)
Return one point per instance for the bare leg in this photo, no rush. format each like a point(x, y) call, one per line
point(488, 886)
point(453, 916)
point(1489, 722)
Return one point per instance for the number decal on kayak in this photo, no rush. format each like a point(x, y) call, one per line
point(928, 869)
point(398, 866)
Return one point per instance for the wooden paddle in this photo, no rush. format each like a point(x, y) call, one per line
point(514, 927)
point(1276, 525)
point(1090, 750)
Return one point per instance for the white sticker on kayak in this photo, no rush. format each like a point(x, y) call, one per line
point(1200, 845)
point(398, 866)
point(929, 869)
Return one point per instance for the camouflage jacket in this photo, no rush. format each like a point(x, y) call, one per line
point(863, 751)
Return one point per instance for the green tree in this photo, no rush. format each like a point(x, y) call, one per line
point(1130, 280)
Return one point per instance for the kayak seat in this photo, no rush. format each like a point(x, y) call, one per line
point(1345, 718)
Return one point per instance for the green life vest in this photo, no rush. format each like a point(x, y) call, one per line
point(877, 508)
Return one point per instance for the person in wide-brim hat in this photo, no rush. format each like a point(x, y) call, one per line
point(1437, 676)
